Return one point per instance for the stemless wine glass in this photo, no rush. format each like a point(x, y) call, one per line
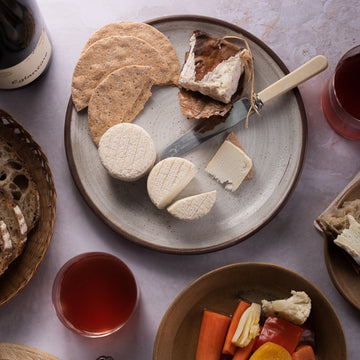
point(340, 98)
point(94, 294)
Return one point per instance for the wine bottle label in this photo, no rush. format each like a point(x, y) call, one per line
point(30, 68)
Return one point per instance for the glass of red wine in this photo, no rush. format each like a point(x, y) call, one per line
point(341, 96)
point(95, 294)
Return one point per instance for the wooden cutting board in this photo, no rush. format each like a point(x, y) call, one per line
point(9, 351)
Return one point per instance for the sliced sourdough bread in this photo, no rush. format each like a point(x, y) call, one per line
point(12, 216)
point(17, 180)
point(6, 247)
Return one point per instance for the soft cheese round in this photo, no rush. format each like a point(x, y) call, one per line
point(168, 178)
point(127, 151)
point(193, 207)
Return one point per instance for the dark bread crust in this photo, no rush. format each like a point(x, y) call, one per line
point(17, 180)
point(11, 215)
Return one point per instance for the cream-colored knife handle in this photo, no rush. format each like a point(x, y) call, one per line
point(293, 79)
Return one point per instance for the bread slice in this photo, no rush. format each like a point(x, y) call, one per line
point(12, 216)
point(17, 180)
point(6, 247)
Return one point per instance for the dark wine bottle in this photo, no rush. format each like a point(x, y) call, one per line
point(25, 49)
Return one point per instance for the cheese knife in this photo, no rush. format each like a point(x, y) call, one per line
point(239, 112)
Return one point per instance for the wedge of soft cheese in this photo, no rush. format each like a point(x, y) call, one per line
point(127, 151)
point(193, 207)
point(168, 178)
point(230, 165)
point(213, 67)
point(349, 239)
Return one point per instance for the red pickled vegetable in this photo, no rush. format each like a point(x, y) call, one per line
point(281, 332)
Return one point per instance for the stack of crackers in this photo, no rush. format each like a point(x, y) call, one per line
point(117, 67)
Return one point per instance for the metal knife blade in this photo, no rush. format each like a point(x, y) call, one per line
point(239, 112)
point(199, 134)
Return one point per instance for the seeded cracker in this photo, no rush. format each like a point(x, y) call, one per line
point(108, 55)
point(142, 31)
point(118, 98)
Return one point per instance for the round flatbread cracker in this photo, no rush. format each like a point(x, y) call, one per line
point(109, 54)
point(118, 98)
point(142, 31)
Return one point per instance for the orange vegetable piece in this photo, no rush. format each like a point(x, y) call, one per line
point(229, 348)
point(212, 335)
point(271, 351)
point(243, 353)
point(304, 352)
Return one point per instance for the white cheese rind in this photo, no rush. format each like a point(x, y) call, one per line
point(295, 309)
point(193, 207)
point(168, 178)
point(220, 84)
point(230, 165)
point(349, 239)
point(127, 151)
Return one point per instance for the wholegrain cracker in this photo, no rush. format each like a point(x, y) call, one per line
point(118, 98)
point(109, 54)
point(142, 31)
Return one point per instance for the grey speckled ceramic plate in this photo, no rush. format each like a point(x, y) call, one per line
point(221, 289)
point(275, 141)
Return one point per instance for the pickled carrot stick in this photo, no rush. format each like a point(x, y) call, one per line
point(212, 335)
point(243, 353)
point(303, 352)
point(229, 348)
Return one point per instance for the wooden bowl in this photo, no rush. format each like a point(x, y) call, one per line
point(342, 269)
point(342, 272)
point(12, 351)
point(220, 291)
point(24, 267)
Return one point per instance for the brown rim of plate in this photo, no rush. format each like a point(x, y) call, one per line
point(22, 270)
point(166, 249)
point(201, 283)
point(341, 273)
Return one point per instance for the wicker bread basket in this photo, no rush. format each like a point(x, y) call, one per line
point(23, 269)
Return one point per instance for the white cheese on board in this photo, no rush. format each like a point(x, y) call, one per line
point(193, 207)
point(230, 165)
point(127, 151)
point(168, 178)
point(349, 239)
point(220, 83)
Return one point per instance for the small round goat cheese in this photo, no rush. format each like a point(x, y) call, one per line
point(193, 207)
point(127, 151)
point(168, 178)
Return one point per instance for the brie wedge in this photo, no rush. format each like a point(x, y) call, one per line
point(230, 165)
point(127, 151)
point(193, 207)
point(168, 178)
point(349, 239)
point(219, 79)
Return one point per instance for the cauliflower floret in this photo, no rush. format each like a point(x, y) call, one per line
point(295, 309)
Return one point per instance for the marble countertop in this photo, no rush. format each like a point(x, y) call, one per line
point(296, 31)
